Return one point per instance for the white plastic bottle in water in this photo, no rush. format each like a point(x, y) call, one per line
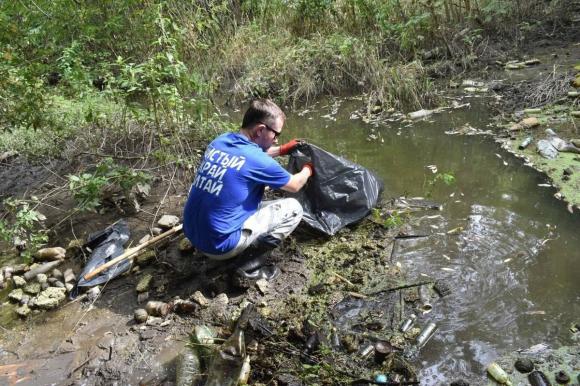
point(498, 374)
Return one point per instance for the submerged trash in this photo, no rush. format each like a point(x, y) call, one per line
point(188, 371)
point(425, 335)
point(424, 299)
point(538, 378)
point(546, 149)
point(525, 143)
point(157, 308)
point(407, 324)
point(497, 373)
point(420, 114)
point(226, 365)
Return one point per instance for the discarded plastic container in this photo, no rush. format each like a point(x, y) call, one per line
point(525, 143)
point(424, 298)
point(426, 334)
point(245, 372)
point(188, 371)
point(420, 114)
point(497, 373)
point(226, 365)
point(407, 324)
point(538, 378)
point(367, 351)
point(335, 338)
point(157, 308)
point(381, 379)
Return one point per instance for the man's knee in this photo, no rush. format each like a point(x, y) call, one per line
point(295, 206)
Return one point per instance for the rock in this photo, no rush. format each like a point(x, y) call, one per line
point(199, 299)
point(25, 300)
point(147, 334)
point(144, 239)
point(51, 254)
point(221, 300)
point(459, 382)
point(524, 365)
point(144, 283)
point(33, 288)
point(157, 308)
point(185, 245)
point(145, 258)
point(58, 284)
point(69, 276)
point(23, 311)
point(44, 286)
point(561, 377)
point(41, 278)
point(93, 293)
point(50, 298)
point(56, 273)
point(74, 246)
point(262, 286)
point(52, 281)
point(18, 281)
point(19, 269)
point(168, 221)
point(16, 295)
point(575, 142)
point(568, 172)
point(35, 269)
point(156, 231)
point(143, 297)
point(69, 287)
point(8, 155)
point(140, 315)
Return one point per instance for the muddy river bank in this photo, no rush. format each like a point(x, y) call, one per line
point(491, 247)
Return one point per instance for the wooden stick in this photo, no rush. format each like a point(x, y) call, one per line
point(129, 253)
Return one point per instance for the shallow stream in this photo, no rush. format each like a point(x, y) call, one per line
point(514, 267)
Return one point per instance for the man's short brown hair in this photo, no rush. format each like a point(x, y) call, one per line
point(262, 111)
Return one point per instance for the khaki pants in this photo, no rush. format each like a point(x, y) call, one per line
point(277, 218)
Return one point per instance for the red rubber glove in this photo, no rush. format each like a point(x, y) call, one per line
point(310, 167)
point(288, 147)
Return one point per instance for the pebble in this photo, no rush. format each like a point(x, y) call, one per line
point(23, 311)
point(25, 299)
point(143, 297)
point(156, 231)
point(51, 254)
point(69, 287)
point(41, 278)
point(561, 377)
point(56, 273)
point(168, 221)
point(524, 365)
point(459, 382)
point(33, 288)
point(144, 283)
point(93, 293)
point(145, 257)
point(18, 281)
point(69, 276)
point(144, 239)
point(140, 315)
point(58, 284)
point(199, 299)
point(185, 245)
point(221, 299)
point(262, 286)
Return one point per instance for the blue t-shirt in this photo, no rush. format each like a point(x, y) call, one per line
point(227, 189)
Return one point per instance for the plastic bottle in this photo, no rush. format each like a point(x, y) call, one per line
point(497, 373)
point(188, 372)
point(407, 324)
point(226, 365)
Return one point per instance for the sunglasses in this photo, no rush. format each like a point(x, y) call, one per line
point(276, 133)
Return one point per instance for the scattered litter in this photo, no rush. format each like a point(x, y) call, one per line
point(448, 269)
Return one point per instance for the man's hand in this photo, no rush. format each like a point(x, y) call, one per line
point(288, 146)
point(309, 166)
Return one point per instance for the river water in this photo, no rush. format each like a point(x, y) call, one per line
point(514, 269)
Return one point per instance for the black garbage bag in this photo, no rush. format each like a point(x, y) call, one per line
point(106, 245)
point(340, 192)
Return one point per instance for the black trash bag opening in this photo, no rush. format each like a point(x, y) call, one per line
point(106, 245)
point(339, 193)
